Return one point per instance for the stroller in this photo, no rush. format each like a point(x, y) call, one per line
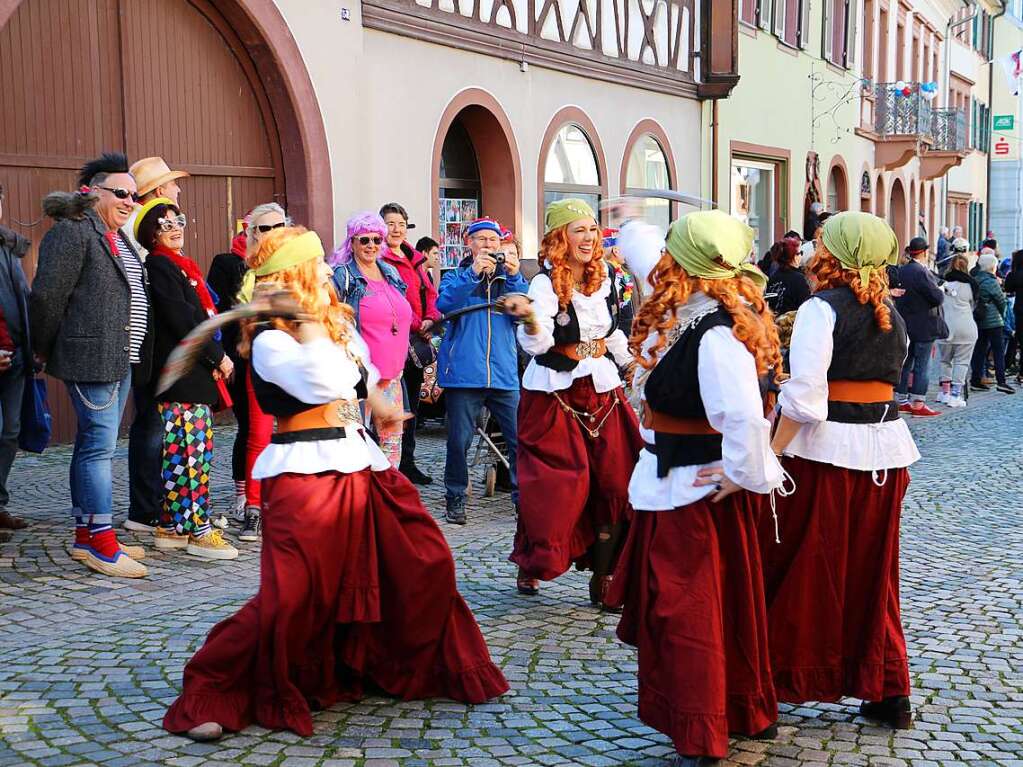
point(490, 447)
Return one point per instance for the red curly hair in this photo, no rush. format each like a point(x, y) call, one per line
point(304, 282)
point(739, 296)
point(828, 272)
point(554, 250)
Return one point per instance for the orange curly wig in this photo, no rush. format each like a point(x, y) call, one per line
point(829, 273)
point(304, 282)
point(741, 298)
point(554, 249)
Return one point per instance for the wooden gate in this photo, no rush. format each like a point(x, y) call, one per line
point(147, 77)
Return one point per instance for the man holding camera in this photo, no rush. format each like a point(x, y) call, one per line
point(477, 364)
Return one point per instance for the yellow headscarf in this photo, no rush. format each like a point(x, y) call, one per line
point(713, 245)
point(861, 242)
point(298, 250)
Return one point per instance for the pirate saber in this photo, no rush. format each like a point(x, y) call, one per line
point(664, 194)
point(498, 305)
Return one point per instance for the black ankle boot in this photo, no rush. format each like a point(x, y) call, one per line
point(896, 712)
point(603, 556)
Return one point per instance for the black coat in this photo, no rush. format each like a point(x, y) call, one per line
point(920, 306)
point(80, 307)
point(1014, 285)
point(176, 311)
point(225, 279)
point(791, 287)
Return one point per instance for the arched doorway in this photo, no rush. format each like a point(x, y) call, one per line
point(476, 170)
point(212, 117)
point(838, 188)
point(897, 212)
point(880, 207)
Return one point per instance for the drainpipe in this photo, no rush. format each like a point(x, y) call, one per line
point(990, 101)
point(945, 88)
point(714, 151)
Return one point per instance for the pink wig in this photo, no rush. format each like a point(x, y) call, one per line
point(364, 222)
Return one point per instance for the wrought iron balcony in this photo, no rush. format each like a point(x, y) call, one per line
point(896, 114)
point(948, 130)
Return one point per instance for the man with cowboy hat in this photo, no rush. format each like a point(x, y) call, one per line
point(154, 179)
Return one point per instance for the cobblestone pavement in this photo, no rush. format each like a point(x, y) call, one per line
point(88, 664)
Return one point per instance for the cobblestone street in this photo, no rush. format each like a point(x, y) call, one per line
point(88, 664)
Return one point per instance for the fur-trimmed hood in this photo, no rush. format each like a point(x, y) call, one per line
point(73, 205)
point(14, 242)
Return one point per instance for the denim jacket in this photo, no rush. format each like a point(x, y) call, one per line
point(351, 284)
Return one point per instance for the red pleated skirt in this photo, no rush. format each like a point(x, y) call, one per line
point(690, 580)
point(357, 589)
point(571, 484)
point(832, 585)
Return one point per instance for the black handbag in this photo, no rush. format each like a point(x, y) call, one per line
point(420, 351)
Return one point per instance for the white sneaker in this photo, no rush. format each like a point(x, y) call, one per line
point(138, 527)
point(956, 402)
point(238, 512)
point(219, 521)
point(943, 398)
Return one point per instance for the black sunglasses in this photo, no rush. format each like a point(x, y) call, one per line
point(364, 241)
point(264, 228)
point(121, 194)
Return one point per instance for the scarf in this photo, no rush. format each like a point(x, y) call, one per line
point(713, 245)
point(195, 278)
point(954, 275)
point(861, 242)
point(239, 244)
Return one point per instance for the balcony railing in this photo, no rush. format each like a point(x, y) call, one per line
point(896, 114)
point(948, 130)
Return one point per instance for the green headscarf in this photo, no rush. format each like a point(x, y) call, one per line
point(861, 242)
point(298, 250)
point(713, 245)
point(563, 212)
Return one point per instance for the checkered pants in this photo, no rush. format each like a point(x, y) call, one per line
point(187, 456)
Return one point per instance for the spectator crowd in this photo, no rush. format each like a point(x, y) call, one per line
point(115, 292)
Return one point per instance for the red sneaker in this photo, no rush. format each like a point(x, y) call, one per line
point(922, 411)
point(905, 408)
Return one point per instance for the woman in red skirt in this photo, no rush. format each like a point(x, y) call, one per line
point(833, 582)
point(357, 584)
point(690, 574)
point(578, 437)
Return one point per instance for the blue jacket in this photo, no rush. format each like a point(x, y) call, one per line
point(351, 285)
point(478, 350)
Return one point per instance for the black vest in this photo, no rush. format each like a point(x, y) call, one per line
point(569, 332)
point(863, 352)
point(673, 388)
point(273, 400)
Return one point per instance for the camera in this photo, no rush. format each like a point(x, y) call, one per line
point(498, 257)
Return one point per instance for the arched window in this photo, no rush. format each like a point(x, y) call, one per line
point(838, 192)
point(571, 168)
point(648, 170)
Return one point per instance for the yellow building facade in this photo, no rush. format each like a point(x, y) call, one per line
point(874, 105)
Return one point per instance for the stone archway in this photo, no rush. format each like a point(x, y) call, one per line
point(492, 139)
point(897, 212)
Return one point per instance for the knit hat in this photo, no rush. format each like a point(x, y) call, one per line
point(145, 209)
point(483, 225)
point(713, 245)
point(563, 212)
point(861, 242)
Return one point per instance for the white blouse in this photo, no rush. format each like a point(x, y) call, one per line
point(804, 398)
point(594, 322)
point(317, 372)
point(730, 390)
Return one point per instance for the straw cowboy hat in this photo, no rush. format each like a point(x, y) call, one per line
point(151, 172)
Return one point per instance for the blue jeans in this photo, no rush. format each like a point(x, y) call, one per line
point(918, 360)
point(98, 407)
point(145, 456)
point(463, 408)
point(12, 386)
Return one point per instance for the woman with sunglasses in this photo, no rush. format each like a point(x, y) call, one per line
point(383, 316)
point(180, 300)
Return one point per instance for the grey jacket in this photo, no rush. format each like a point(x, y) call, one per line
point(80, 307)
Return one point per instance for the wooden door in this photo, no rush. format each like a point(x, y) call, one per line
point(147, 77)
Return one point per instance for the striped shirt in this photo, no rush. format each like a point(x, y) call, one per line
point(139, 303)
